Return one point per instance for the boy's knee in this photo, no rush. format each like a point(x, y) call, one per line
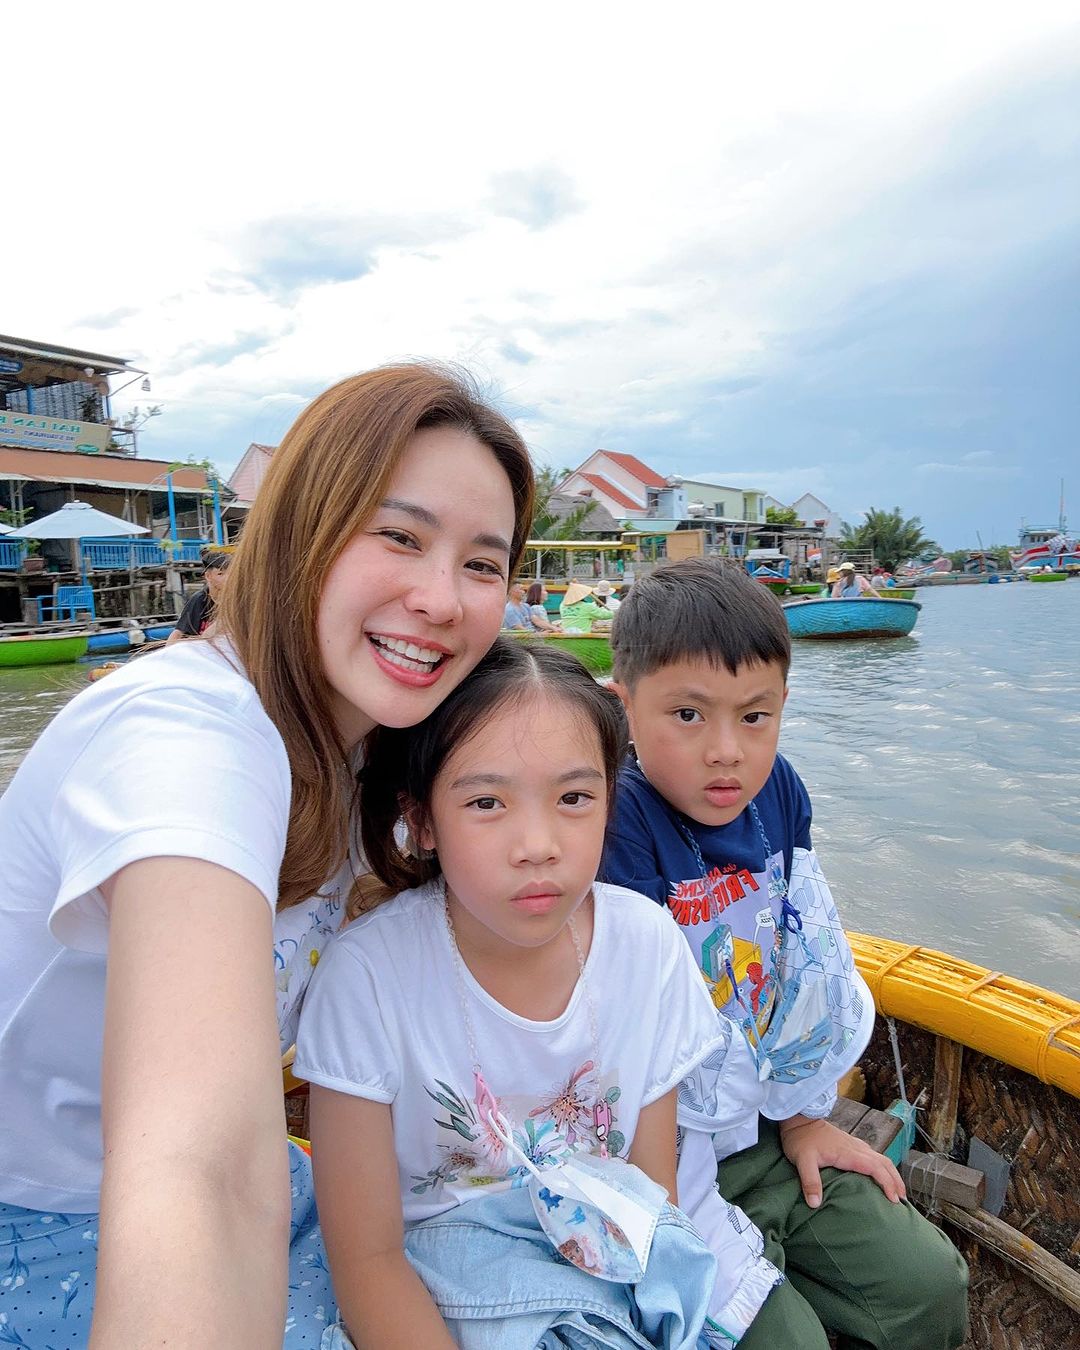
point(944, 1281)
point(935, 1287)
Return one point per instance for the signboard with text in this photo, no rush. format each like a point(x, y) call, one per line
point(28, 431)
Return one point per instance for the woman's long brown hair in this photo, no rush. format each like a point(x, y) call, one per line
point(324, 483)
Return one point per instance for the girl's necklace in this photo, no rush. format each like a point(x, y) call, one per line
point(485, 1098)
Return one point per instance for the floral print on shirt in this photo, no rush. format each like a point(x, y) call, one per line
point(563, 1122)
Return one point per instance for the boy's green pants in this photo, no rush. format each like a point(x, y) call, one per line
point(877, 1274)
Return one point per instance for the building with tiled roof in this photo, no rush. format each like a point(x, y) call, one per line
point(621, 483)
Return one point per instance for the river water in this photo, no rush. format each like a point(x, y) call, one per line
point(944, 769)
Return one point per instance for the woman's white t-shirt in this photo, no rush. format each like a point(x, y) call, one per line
point(172, 755)
point(383, 1020)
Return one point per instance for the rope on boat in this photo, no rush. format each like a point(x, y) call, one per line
point(934, 1155)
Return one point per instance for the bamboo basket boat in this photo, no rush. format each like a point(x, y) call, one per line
point(593, 650)
point(985, 1058)
point(864, 618)
point(995, 1060)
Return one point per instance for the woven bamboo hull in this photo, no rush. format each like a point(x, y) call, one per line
point(1032, 1123)
point(593, 650)
point(850, 618)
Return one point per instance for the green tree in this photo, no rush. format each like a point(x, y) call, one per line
point(892, 539)
point(781, 515)
point(549, 524)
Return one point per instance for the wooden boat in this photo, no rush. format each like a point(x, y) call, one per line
point(42, 649)
point(807, 587)
point(1048, 576)
point(867, 617)
point(993, 1064)
point(593, 650)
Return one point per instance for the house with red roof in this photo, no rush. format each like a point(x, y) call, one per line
point(623, 484)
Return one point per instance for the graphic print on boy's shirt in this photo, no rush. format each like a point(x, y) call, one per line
point(727, 918)
point(714, 881)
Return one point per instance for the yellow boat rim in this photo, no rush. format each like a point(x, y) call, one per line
point(994, 1014)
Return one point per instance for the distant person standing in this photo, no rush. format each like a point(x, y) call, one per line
point(850, 585)
point(198, 614)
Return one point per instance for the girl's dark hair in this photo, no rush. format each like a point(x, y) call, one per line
point(534, 593)
point(402, 764)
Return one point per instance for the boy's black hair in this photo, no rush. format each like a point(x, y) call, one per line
point(698, 609)
point(401, 764)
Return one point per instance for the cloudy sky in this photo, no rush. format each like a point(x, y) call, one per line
point(829, 248)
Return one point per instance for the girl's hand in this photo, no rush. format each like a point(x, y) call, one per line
point(810, 1145)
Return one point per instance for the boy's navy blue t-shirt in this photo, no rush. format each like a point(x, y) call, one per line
point(726, 914)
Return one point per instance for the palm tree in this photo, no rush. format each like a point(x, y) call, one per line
point(548, 521)
point(891, 538)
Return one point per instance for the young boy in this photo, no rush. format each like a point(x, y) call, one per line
point(713, 823)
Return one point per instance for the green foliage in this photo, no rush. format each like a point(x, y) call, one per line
point(17, 519)
point(892, 538)
point(782, 515)
point(546, 524)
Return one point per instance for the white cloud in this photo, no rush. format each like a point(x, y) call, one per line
point(603, 213)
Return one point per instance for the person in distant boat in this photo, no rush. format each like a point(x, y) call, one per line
point(198, 614)
point(160, 920)
point(850, 585)
point(516, 612)
point(579, 608)
point(605, 594)
point(536, 599)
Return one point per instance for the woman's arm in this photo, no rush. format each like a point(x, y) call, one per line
point(195, 1191)
point(384, 1303)
point(653, 1149)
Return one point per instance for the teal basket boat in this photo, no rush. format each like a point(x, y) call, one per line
point(851, 618)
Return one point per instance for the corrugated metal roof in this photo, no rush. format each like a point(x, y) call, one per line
point(51, 352)
point(115, 471)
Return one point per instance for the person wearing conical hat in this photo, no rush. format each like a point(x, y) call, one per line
point(579, 608)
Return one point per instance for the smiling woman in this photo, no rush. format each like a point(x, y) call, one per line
point(196, 858)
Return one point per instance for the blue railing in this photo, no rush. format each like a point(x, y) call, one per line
point(12, 552)
point(102, 555)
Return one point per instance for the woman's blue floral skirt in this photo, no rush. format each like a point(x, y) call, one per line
point(48, 1264)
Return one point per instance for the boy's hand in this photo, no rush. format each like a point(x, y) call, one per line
point(810, 1145)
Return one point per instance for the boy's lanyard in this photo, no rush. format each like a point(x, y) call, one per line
point(790, 918)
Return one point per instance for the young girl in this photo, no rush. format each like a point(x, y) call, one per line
point(176, 844)
point(492, 1019)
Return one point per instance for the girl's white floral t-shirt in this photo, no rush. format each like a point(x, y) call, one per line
point(383, 1020)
